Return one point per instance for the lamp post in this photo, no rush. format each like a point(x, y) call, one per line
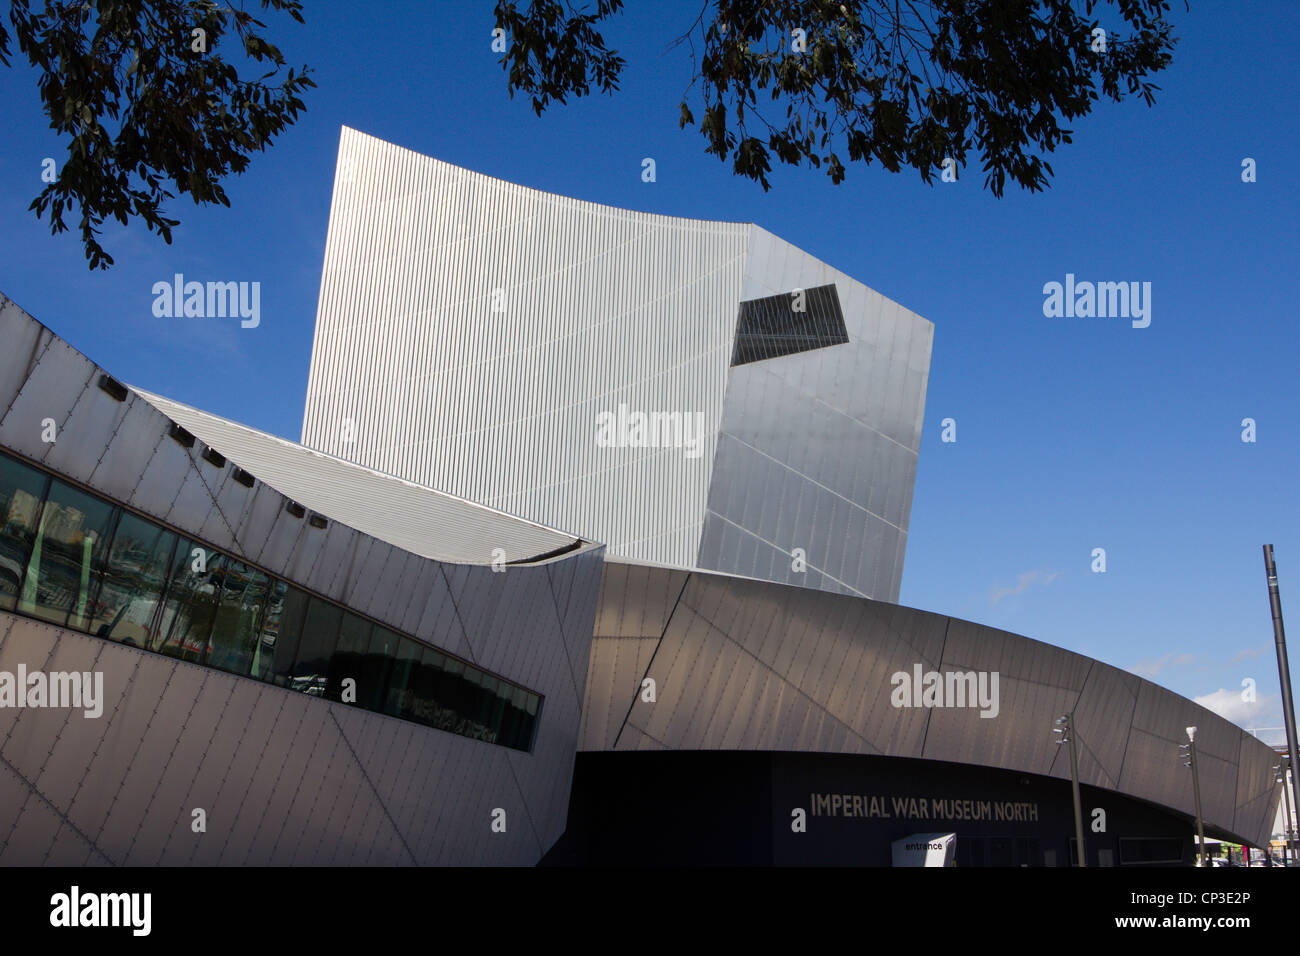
point(1283, 674)
point(1190, 747)
point(1065, 727)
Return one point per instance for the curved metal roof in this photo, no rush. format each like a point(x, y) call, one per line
point(409, 516)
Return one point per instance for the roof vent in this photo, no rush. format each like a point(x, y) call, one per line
point(181, 435)
point(114, 388)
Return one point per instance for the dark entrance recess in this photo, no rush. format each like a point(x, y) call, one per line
point(728, 808)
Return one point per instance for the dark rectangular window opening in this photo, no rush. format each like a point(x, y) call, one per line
point(785, 324)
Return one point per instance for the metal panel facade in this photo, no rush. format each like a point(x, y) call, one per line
point(817, 451)
point(751, 665)
point(471, 332)
point(284, 777)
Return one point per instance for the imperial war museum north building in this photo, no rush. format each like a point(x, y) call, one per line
point(590, 553)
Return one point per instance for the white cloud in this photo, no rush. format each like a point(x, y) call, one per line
point(1150, 668)
point(1229, 705)
point(1022, 584)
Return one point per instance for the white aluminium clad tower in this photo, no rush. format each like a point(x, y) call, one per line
point(690, 393)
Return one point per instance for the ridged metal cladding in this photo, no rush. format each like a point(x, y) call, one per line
point(755, 666)
point(817, 450)
point(471, 331)
point(500, 406)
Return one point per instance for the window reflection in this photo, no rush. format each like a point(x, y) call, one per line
point(532, 704)
point(518, 730)
point(377, 668)
point(22, 491)
point(319, 636)
point(348, 660)
point(286, 611)
point(66, 557)
point(406, 659)
point(496, 706)
point(434, 709)
point(235, 632)
point(191, 603)
point(132, 586)
point(79, 561)
point(474, 705)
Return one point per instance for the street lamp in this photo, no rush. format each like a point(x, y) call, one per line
point(1190, 748)
point(1065, 727)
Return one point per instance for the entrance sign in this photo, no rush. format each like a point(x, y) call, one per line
point(925, 849)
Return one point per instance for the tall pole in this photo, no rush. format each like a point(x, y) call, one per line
point(1078, 803)
point(1283, 673)
point(1196, 794)
point(1066, 730)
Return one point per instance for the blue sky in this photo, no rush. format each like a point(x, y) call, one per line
point(1072, 434)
